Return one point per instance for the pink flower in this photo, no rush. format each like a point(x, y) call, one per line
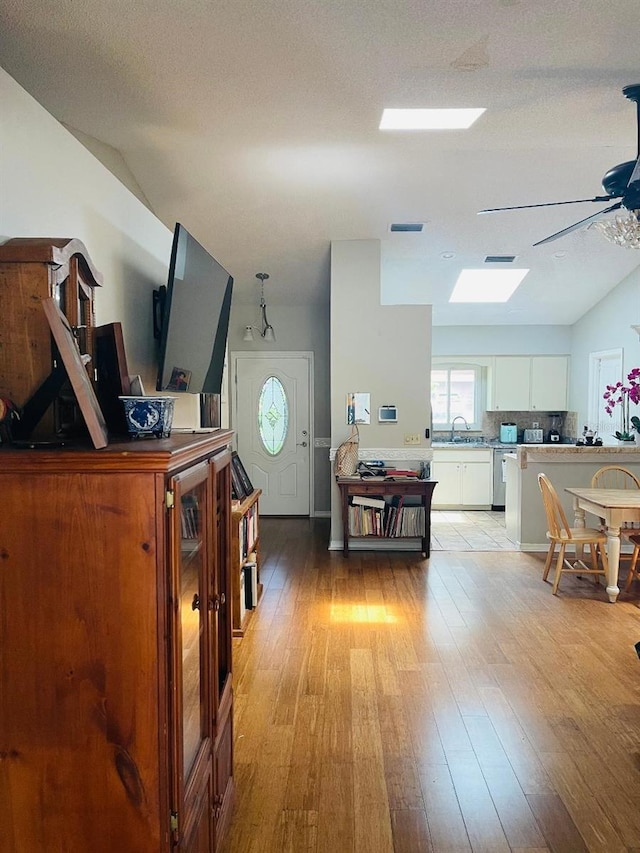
point(622, 395)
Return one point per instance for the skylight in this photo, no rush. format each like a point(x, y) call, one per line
point(486, 285)
point(423, 119)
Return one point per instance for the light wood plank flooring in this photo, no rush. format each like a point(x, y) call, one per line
point(388, 703)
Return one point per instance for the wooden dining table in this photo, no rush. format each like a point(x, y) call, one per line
point(615, 506)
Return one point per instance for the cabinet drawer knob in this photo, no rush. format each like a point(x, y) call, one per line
point(195, 604)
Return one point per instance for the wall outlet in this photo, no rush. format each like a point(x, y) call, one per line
point(412, 438)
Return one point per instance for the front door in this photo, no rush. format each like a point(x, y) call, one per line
point(272, 420)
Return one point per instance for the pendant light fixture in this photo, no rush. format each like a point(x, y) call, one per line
point(266, 330)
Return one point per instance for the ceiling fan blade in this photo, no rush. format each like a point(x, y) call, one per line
point(551, 203)
point(577, 225)
point(635, 175)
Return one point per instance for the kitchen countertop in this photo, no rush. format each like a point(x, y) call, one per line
point(565, 452)
point(485, 444)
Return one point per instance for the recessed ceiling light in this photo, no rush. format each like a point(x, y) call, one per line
point(559, 255)
point(486, 285)
point(441, 119)
point(447, 256)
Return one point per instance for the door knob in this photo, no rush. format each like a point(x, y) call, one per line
point(195, 604)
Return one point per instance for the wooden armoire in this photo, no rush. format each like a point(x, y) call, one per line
point(116, 728)
point(33, 269)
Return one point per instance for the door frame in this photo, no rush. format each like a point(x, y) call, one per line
point(595, 390)
point(292, 354)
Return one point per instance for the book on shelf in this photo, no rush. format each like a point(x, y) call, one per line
point(250, 572)
point(243, 600)
point(377, 501)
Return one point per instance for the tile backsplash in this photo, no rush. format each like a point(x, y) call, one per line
point(525, 420)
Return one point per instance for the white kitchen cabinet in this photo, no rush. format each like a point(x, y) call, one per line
point(529, 383)
point(549, 383)
point(465, 479)
point(511, 384)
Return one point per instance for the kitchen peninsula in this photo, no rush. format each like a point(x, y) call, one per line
point(566, 465)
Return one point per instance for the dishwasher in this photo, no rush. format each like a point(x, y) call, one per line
point(499, 476)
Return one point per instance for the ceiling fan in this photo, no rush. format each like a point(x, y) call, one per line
point(620, 182)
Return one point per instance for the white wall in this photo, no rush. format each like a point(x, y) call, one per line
point(501, 340)
point(298, 328)
point(606, 326)
point(53, 187)
point(381, 349)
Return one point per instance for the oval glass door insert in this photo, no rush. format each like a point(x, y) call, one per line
point(273, 415)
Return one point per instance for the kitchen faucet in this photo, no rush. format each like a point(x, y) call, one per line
point(453, 425)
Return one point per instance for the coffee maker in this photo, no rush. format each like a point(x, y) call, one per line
point(555, 428)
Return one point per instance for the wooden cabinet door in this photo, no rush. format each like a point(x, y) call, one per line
point(199, 832)
point(549, 380)
point(220, 594)
point(223, 774)
point(221, 633)
point(190, 549)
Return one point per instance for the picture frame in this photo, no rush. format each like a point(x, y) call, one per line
point(76, 371)
point(237, 489)
point(112, 376)
point(242, 474)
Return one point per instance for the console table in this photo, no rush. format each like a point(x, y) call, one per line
point(374, 486)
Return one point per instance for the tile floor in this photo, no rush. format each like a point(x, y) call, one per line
point(455, 530)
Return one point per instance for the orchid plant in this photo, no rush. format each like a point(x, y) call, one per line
point(623, 395)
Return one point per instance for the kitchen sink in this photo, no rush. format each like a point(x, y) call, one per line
point(463, 441)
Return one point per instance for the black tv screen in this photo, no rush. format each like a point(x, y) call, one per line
point(195, 319)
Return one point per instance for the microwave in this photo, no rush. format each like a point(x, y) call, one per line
point(533, 436)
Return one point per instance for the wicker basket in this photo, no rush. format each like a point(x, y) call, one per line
point(346, 461)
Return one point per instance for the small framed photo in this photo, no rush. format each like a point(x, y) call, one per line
point(241, 473)
point(180, 379)
point(238, 492)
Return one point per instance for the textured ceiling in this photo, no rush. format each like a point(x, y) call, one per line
point(255, 125)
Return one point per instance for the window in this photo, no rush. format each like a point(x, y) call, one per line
point(273, 415)
point(456, 391)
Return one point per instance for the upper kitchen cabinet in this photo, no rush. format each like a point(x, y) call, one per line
point(549, 383)
point(528, 383)
point(510, 384)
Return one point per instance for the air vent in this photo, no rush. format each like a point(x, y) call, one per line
point(412, 227)
point(499, 259)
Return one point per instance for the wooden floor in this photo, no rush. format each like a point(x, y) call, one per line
point(389, 703)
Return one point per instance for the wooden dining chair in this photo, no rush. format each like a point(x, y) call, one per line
point(562, 536)
point(634, 569)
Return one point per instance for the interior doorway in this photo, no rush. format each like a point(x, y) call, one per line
point(272, 402)
point(605, 368)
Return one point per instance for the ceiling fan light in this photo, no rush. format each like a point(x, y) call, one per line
point(621, 230)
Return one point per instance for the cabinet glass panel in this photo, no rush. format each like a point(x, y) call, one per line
point(192, 611)
point(223, 589)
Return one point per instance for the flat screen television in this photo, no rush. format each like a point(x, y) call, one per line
point(194, 320)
